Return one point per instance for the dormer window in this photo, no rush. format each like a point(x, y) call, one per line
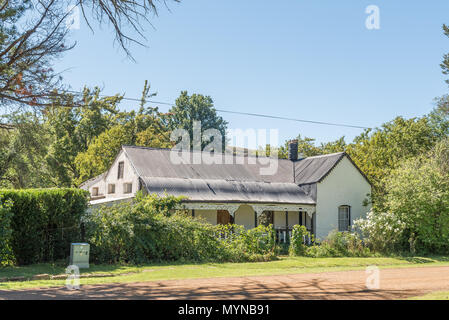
point(121, 168)
point(127, 188)
point(94, 191)
point(111, 188)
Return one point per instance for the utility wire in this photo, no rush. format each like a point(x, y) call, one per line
point(248, 113)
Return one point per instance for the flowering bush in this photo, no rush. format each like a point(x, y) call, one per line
point(414, 215)
point(383, 232)
point(339, 244)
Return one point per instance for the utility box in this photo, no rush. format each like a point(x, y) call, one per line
point(79, 254)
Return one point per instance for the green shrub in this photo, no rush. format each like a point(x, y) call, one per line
point(44, 222)
point(150, 229)
point(339, 244)
point(6, 255)
point(257, 244)
point(298, 239)
point(413, 215)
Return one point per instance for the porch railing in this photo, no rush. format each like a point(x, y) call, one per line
point(283, 235)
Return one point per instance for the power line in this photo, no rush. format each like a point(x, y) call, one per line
point(249, 114)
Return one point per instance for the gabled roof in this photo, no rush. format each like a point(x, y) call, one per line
point(153, 162)
point(236, 179)
point(88, 183)
point(314, 169)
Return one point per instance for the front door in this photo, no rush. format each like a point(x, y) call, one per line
point(223, 217)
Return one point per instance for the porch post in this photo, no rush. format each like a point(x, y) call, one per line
point(232, 213)
point(312, 224)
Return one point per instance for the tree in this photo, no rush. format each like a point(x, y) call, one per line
point(32, 36)
point(415, 215)
point(143, 128)
point(439, 117)
point(383, 149)
point(103, 150)
point(445, 64)
point(23, 149)
point(132, 14)
point(307, 147)
point(192, 108)
point(100, 154)
point(74, 129)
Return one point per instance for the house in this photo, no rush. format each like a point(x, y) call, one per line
point(322, 193)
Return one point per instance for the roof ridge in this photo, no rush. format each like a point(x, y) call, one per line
point(202, 151)
point(325, 155)
point(217, 179)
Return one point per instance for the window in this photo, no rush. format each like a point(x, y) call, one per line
point(121, 168)
point(94, 191)
point(344, 218)
point(127, 188)
point(111, 188)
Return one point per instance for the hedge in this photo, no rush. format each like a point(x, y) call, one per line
point(43, 222)
point(6, 257)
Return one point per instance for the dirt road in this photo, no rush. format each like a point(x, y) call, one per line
point(394, 284)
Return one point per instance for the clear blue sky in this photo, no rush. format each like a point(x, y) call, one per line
point(304, 59)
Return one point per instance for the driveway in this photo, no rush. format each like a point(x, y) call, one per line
point(394, 284)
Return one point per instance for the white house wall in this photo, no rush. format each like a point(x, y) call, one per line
point(129, 176)
point(101, 188)
point(343, 186)
point(209, 216)
point(245, 216)
point(279, 219)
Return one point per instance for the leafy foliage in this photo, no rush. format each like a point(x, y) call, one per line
point(32, 36)
point(416, 209)
point(6, 255)
point(298, 240)
point(141, 129)
point(65, 146)
point(151, 229)
point(196, 108)
point(379, 152)
point(340, 244)
point(23, 149)
point(73, 130)
point(43, 222)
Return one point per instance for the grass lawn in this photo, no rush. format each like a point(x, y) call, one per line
point(441, 295)
point(172, 271)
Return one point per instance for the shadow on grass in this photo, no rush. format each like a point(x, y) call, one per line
point(58, 267)
point(423, 259)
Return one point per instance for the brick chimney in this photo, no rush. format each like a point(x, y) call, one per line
point(293, 150)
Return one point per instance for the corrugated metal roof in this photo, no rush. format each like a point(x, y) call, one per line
point(237, 178)
point(218, 190)
point(150, 162)
point(314, 169)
